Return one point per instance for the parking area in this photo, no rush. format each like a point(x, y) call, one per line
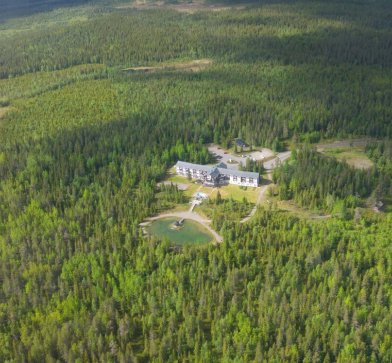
point(234, 160)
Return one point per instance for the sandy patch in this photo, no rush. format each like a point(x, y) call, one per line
point(191, 66)
point(351, 151)
point(262, 155)
point(354, 156)
point(359, 162)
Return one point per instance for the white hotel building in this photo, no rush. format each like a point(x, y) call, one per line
point(217, 175)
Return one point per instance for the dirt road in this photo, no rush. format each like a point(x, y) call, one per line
point(280, 158)
point(260, 198)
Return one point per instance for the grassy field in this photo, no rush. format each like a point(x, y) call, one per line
point(290, 206)
point(227, 191)
point(354, 156)
point(237, 193)
point(4, 111)
point(192, 187)
point(192, 233)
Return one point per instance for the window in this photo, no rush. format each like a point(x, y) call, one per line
point(234, 178)
point(243, 180)
point(250, 180)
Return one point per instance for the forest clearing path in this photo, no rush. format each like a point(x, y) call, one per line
point(196, 65)
point(260, 198)
point(321, 217)
point(271, 164)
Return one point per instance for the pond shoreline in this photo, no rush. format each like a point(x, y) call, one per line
point(191, 233)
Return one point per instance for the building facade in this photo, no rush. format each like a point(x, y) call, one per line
point(217, 175)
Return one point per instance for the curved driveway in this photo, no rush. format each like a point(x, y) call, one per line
point(268, 165)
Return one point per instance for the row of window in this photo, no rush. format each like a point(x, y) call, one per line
point(235, 178)
point(187, 170)
point(243, 179)
point(194, 171)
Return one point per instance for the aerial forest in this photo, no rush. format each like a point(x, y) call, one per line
point(85, 137)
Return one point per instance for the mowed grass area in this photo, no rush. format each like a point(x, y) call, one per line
point(4, 111)
point(191, 234)
point(237, 193)
point(354, 156)
point(228, 191)
point(192, 187)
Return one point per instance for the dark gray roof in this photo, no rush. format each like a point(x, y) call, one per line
point(222, 165)
point(184, 164)
point(239, 173)
point(241, 142)
point(210, 169)
point(214, 173)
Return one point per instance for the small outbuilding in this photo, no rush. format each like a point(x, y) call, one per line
point(240, 143)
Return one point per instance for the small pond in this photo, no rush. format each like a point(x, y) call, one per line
point(190, 233)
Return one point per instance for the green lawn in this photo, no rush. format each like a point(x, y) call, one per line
point(192, 233)
point(227, 191)
point(192, 186)
point(237, 193)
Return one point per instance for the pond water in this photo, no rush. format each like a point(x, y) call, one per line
point(191, 233)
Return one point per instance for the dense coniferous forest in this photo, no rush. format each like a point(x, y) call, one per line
point(314, 181)
point(83, 144)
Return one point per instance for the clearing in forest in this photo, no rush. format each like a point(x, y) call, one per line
point(190, 233)
point(354, 157)
point(189, 66)
point(187, 7)
point(236, 192)
point(350, 151)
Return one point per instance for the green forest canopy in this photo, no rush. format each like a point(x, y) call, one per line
point(82, 145)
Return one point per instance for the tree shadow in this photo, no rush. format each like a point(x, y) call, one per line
point(362, 13)
point(324, 46)
point(10, 9)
